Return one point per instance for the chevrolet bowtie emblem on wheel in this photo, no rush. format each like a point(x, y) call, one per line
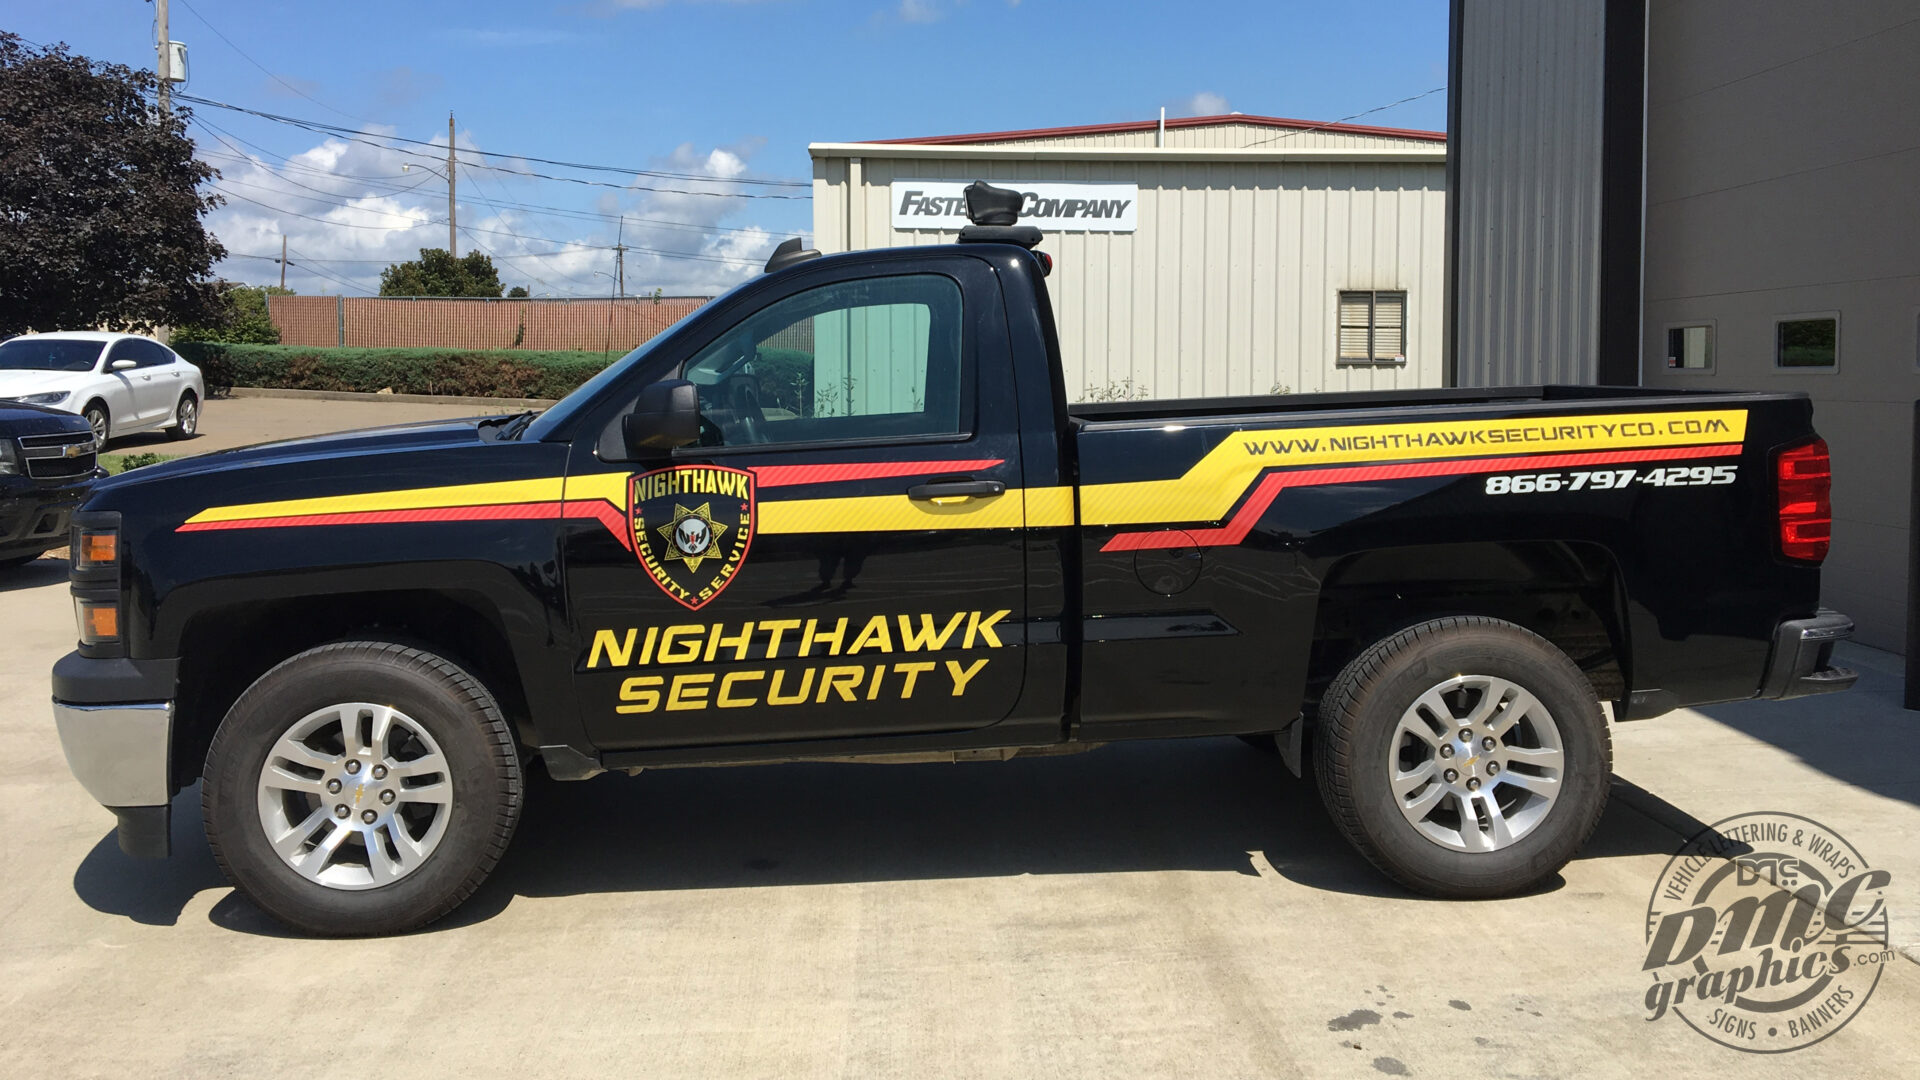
point(692, 525)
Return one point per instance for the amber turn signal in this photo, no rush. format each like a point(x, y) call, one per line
point(97, 549)
point(98, 621)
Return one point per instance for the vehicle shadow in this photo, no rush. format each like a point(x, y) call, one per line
point(1863, 737)
point(33, 575)
point(1199, 805)
point(151, 891)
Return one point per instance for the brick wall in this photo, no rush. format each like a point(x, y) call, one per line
point(362, 321)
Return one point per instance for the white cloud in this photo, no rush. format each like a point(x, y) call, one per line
point(348, 209)
point(1204, 103)
point(921, 11)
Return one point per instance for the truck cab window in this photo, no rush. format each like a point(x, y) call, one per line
point(866, 359)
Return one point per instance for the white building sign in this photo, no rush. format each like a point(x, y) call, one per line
point(1054, 207)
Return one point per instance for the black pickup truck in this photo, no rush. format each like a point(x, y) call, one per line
point(845, 512)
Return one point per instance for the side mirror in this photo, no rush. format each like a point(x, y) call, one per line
point(667, 416)
point(123, 364)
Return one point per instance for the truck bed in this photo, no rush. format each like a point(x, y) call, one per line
point(1365, 399)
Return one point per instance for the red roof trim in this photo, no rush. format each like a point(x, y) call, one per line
point(1183, 122)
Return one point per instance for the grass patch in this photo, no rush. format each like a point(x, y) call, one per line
point(119, 463)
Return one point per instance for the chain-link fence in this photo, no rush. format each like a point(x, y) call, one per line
point(476, 323)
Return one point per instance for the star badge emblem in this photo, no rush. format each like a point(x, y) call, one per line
point(692, 536)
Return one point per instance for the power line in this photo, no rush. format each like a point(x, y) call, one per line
point(323, 221)
point(661, 252)
point(502, 205)
point(319, 127)
point(308, 187)
point(336, 279)
point(1342, 120)
point(263, 67)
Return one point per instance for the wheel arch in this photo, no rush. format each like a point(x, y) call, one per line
point(1569, 592)
point(224, 649)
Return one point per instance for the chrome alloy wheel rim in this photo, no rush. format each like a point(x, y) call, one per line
point(355, 796)
point(98, 422)
point(189, 416)
point(1476, 763)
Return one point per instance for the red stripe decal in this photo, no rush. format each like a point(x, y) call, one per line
point(599, 510)
point(1270, 486)
point(768, 476)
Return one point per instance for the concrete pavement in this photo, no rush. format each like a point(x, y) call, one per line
point(1157, 910)
point(229, 422)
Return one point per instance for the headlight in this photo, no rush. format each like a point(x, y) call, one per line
point(43, 399)
point(9, 459)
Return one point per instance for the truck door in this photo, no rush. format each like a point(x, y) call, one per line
point(840, 556)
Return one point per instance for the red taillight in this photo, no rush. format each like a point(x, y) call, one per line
point(1804, 477)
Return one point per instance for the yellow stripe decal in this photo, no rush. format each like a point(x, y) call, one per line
point(1049, 507)
point(1209, 490)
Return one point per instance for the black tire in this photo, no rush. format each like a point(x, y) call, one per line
point(100, 420)
point(454, 708)
point(186, 418)
point(1355, 742)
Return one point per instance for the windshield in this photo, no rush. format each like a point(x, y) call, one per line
point(48, 354)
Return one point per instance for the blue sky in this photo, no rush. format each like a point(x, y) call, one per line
point(733, 88)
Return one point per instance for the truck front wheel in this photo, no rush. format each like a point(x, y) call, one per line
point(362, 787)
point(1466, 757)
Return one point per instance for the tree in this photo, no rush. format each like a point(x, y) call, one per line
point(100, 200)
point(438, 273)
point(243, 318)
point(518, 292)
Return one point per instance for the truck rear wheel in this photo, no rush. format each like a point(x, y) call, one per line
point(362, 787)
point(1466, 757)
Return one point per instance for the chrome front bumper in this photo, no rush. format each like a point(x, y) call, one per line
point(118, 753)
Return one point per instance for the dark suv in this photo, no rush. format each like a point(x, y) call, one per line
point(47, 465)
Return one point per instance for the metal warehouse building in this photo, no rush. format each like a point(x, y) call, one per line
point(1712, 194)
point(1212, 255)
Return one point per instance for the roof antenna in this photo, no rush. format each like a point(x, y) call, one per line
point(788, 254)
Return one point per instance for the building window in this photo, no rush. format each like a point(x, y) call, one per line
point(1690, 348)
point(1811, 341)
point(1373, 327)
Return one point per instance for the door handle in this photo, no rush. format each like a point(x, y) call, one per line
point(954, 492)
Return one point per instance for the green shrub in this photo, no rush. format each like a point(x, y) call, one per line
point(119, 463)
point(457, 372)
point(786, 380)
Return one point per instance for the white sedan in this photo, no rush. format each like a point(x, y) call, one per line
point(122, 383)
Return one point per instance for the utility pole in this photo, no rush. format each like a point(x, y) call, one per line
point(452, 212)
point(620, 259)
point(162, 69)
point(283, 261)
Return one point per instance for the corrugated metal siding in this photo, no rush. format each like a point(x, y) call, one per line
point(1780, 180)
point(1527, 154)
point(1225, 137)
point(1231, 283)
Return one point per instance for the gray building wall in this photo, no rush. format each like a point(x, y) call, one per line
point(1783, 177)
point(1525, 182)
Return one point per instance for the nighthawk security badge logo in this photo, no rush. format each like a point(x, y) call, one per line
point(692, 525)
